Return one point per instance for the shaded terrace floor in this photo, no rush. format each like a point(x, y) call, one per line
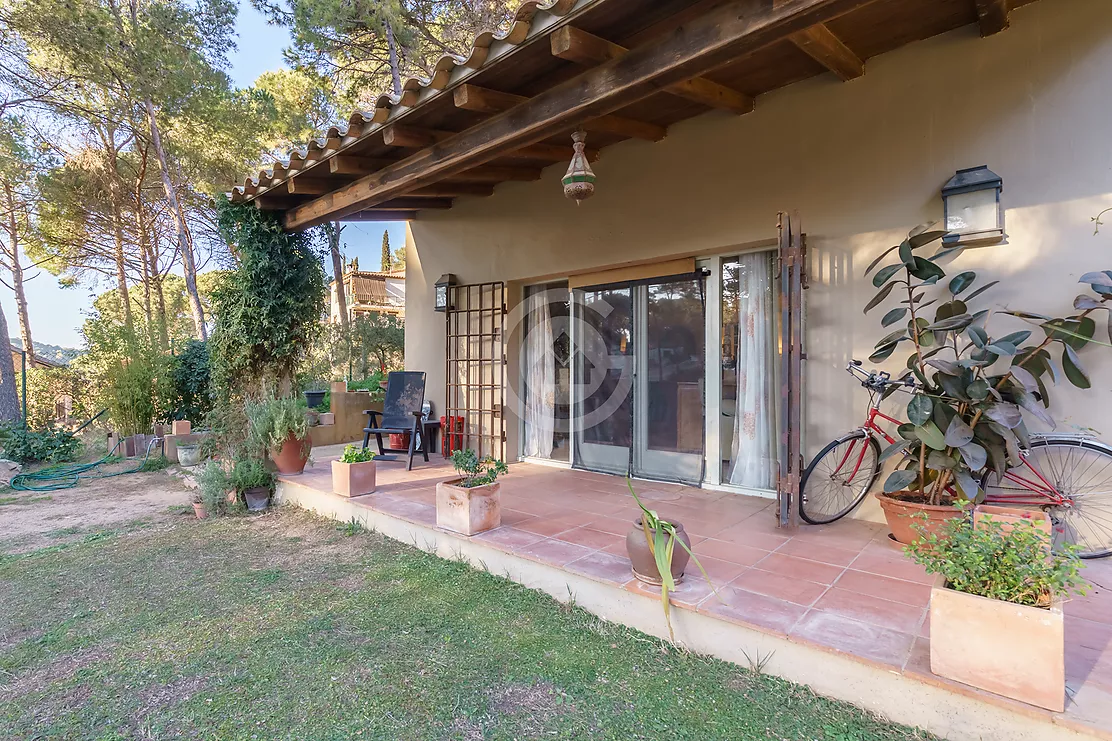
point(844, 587)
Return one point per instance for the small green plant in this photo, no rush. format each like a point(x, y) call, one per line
point(251, 473)
point(661, 537)
point(474, 471)
point(271, 421)
point(1010, 563)
point(213, 485)
point(353, 454)
point(47, 445)
point(157, 463)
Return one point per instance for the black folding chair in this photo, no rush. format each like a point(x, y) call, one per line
point(401, 413)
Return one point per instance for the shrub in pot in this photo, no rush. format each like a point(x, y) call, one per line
point(651, 546)
point(965, 418)
point(470, 503)
point(996, 607)
point(214, 484)
point(198, 502)
point(254, 482)
point(353, 475)
point(279, 426)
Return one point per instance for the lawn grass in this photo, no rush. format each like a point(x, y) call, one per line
point(285, 626)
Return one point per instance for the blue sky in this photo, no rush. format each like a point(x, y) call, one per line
point(57, 313)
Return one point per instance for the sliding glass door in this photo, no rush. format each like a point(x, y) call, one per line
point(604, 372)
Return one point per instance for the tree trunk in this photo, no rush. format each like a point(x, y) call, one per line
point(163, 322)
point(9, 393)
point(17, 272)
point(142, 237)
point(334, 230)
point(115, 197)
point(185, 247)
point(392, 50)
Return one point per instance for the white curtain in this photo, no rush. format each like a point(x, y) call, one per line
point(540, 379)
point(753, 457)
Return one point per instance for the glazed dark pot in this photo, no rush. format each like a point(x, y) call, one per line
point(293, 455)
point(314, 398)
point(257, 498)
point(644, 565)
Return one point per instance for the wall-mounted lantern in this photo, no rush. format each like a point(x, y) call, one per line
point(446, 280)
point(971, 202)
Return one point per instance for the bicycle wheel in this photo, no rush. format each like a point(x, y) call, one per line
point(1081, 470)
point(838, 478)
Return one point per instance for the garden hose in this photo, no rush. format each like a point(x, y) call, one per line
point(67, 475)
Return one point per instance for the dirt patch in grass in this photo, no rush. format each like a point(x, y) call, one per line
point(157, 698)
point(34, 521)
point(60, 669)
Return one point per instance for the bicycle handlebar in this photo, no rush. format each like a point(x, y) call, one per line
point(876, 380)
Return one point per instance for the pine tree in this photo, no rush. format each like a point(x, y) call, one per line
point(387, 256)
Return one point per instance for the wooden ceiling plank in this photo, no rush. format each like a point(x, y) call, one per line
point(451, 190)
point(484, 100)
point(581, 47)
point(706, 43)
point(381, 216)
point(347, 164)
point(497, 174)
point(409, 203)
point(992, 15)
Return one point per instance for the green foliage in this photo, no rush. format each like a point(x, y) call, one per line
point(213, 484)
point(353, 454)
point(1013, 563)
point(46, 387)
point(965, 417)
point(271, 421)
point(251, 473)
point(134, 386)
point(157, 463)
point(371, 345)
point(190, 395)
point(267, 311)
point(475, 471)
point(46, 445)
point(387, 255)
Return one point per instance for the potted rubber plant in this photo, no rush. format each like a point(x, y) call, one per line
point(278, 425)
point(254, 482)
point(470, 503)
point(965, 418)
point(653, 556)
point(996, 606)
point(353, 475)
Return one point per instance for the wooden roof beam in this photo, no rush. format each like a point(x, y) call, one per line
point(311, 186)
point(584, 48)
point(347, 164)
point(408, 203)
point(820, 43)
point(992, 15)
point(411, 137)
point(381, 216)
point(483, 100)
point(720, 36)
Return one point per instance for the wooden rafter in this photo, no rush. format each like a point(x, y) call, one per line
point(346, 164)
point(309, 186)
point(576, 45)
point(992, 15)
point(409, 203)
point(369, 215)
point(451, 190)
point(820, 43)
point(717, 38)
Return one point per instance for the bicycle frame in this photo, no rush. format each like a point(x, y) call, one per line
point(1039, 493)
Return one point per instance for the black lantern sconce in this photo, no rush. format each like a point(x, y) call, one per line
point(441, 301)
point(973, 212)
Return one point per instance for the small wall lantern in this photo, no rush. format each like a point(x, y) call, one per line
point(971, 202)
point(441, 302)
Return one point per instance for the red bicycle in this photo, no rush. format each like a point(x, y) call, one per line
point(1068, 476)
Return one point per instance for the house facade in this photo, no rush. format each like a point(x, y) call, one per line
point(641, 330)
point(367, 292)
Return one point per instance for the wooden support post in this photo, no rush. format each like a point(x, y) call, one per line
point(993, 16)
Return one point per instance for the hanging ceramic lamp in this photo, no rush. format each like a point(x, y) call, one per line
point(579, 180)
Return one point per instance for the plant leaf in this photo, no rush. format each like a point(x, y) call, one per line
point(1097, 278)
point(968, 486)
point(899, 480)
point(925, 237)
point(974, 455)
point(1004, 414)
point(893, 316)
point(929, 433)
point(961, 321)
point(1000, 347)
point(980, 290)
point(885, 273)
point(893, 449)
point(881, 295)
point(961, 281)
point(881, 257)
point(1071, 364)
point(958, 433)
point(1028, 401)
point(1024, 377)
point(925, 270)
point(977, 336)
point(906, 256)
point(1016, 338)
point(946, 366)
point(919, 409)
point(1087, 303)
point(978, 390)
point(939, 461)
point(883, 353)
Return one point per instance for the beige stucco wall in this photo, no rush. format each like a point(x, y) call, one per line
point(862, 162)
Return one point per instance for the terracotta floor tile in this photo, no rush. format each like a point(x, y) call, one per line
point(732, 552)
point(603, 566)
point(885, 587)
point(919, 660)
point(510, 537)
point(549, 526)
point(554, 552)
point(755, 609)
point(800, 568)
point(897, 567)
point(743, 535)
point(720, 572)
point(854, 637)
point(613, 525)
point(818, 551)
point(782, 587)
point(879, 612)
point(593, 539)
point(690, 592)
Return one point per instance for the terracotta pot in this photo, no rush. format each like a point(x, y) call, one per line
point(644, 565)
point(399, 440)
point(468, 511)
point(1017, 651)
point(257, 498)
point(199, 510)
point(353, 479)
point(231, 496)
point(901, 515)
point(293, 455)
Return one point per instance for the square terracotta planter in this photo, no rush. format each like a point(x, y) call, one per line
point(353, 479)
point(1012, 650)
point(468, 511)
point(181, 427)
point(339, 387)
point(326, 418)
